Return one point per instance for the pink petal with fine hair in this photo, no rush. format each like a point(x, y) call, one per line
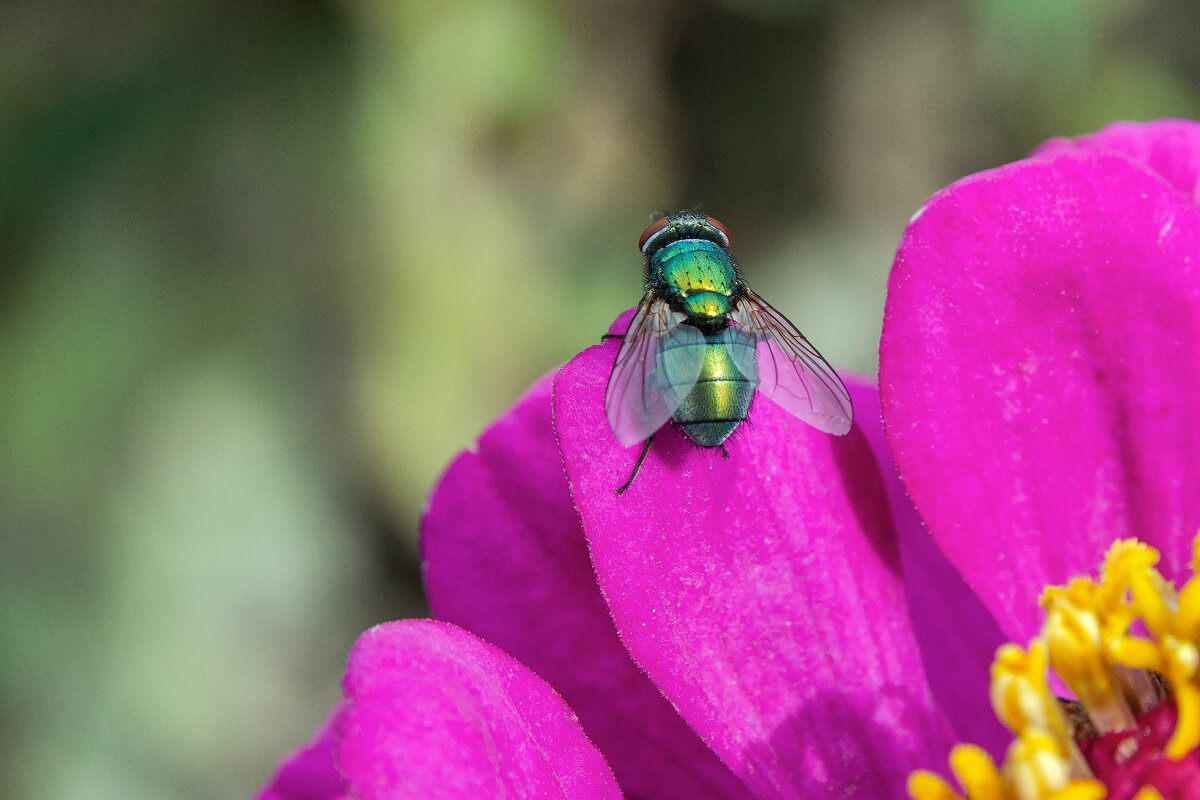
point(761, 593)
point(309, 772)
point(958, 636)
point(505, 557)
point(1169, 147)
point(1040, 373)
point(435, 713)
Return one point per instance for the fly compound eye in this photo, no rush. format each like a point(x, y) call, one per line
point(716, 223)
point(653, 228)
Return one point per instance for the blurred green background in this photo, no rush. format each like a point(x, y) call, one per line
point(264, 268)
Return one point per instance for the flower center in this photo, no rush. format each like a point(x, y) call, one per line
point(1126, 761)
point(1128, 647)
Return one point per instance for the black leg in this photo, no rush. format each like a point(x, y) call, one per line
point(605, 337)
point(724, 452)
point(641, 458)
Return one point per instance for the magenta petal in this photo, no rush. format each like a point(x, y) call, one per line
point(309, 772)
point(434, 712)
point(505, 558)
point(1040, 371)
point(1169, 147)
point(621, 323)
point(958, 636)
point(760, 593)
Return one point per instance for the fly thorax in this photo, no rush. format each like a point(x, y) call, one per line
point(694, 266)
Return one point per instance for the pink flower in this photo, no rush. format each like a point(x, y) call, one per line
point(778, 624)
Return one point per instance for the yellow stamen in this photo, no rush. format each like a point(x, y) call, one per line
point(1021, 697)
point(1075, 634)
point(1154, 600)
point(976, 772)
point(1148, 793)
point(1186, 736)
point(1041, 765)
point(1187, 618)
point(925, 785)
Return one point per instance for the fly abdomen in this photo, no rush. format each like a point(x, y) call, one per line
point(719, 401)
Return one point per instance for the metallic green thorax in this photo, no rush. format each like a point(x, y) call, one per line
point(701, 279)
point(698, 272)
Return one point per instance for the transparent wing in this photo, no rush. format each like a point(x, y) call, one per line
point(790, 370)
point(658, 364)
point(742, 346)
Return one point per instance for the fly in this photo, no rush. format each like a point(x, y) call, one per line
point(702, 342)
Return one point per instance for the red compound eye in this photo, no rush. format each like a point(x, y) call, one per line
point(716, 223)
point(654, 228)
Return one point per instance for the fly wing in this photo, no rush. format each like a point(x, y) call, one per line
point(790, 370)
point(742, 347)
point(658, 364)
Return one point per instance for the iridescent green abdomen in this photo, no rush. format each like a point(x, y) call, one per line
point(699, 272)
point(719, 401)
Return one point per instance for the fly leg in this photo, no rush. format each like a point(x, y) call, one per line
point(606, 336)
point(724, 452)
point(638, 466)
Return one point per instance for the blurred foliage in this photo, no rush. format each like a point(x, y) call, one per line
point(266, 266)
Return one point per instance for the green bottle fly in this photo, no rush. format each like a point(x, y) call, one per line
point(702, 342)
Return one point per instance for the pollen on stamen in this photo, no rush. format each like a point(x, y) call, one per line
point(1128, 648)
